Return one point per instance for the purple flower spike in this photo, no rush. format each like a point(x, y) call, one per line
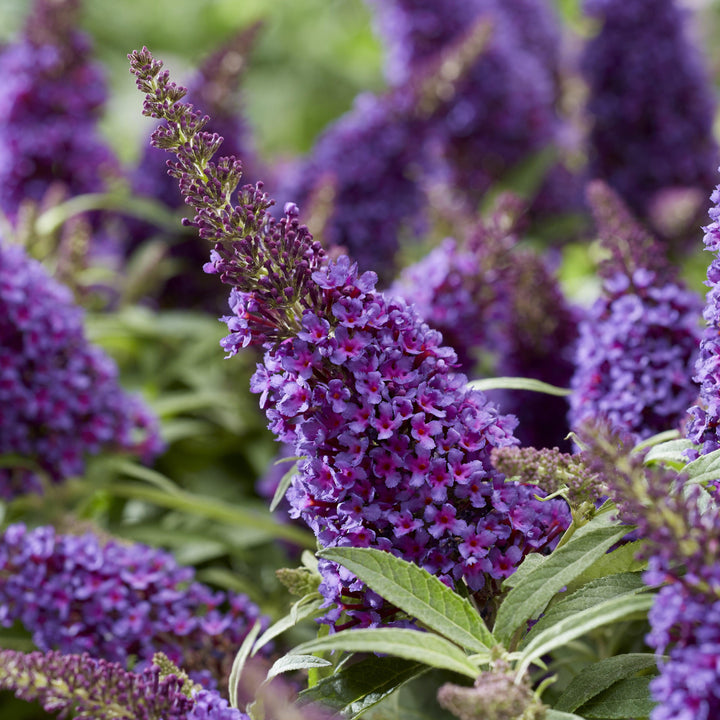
point(290, 299)
point(117, 601)
point(59, 395)
point(51, 99)
point(639, 341)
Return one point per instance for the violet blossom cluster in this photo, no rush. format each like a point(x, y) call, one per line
point(51, 99)
point(679, 526)
point(647, 134)
point(103, 690)
point(395, 447)
point(639, 340)
point(118, 601)
point(702, 427)
point(59, 395)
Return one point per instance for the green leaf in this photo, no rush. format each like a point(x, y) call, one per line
point(704, 468)
point(530, 562)
point(304, 608)
point(580, 623)
point(356, 688)
point(239, 663)
point(216, 510)
point(518, 383)
point(669, 453)
point(599, 676)
point(588, 596)
point(431, 649)
point(657, 440)
point(282, 488)
point(288, 663)
point(625, 699)
point(418, 593)
point(620, 560)
point(552, 714)
point(532, 594)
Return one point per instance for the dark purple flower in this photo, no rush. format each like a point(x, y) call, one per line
point(51, 99)
point(651, 102)
point(59, 395)
point(117, 601)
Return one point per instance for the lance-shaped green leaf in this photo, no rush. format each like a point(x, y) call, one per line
point(284, 484)
point(239, 664)
point(518, 383)
point(288, 663)
point(427, 647)
point(669, 453)
point(418, 593)
point(704, 468)
point(625, 699)
point(532, 594)
point(552, 714)
point(599, 676)
point(354, 689)
point(572, 627)
point(586, 597)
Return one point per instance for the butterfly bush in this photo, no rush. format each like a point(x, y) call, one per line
point(51, 99)
point(680, 528)
point(640, 339)
point(117, 601)
point(702, 427)
point(59, 395)
point(103, 690)
point(651, 105)
point(395, 446)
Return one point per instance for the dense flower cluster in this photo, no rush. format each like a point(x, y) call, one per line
point(702, 428)
point(117, 601)
point(79, 683)
point(639, 341)
point(680, 528)
point(396, 448)
point(59, 395)
point(50, 102)
point(646, 134)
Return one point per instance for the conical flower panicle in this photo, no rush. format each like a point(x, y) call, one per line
point(396, 448)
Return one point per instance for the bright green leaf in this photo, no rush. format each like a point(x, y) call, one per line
point(418, 593)
point(669, 453)
point(601, 675)
point(518, 383)
point(621, 560)
point(356, 688)
point(552, 714)
point(288, 663)
point(304, 608)
point(431, 649)
point(580, 623)
point(532, 594)
point(239, 663)
point(282, 488)
point(588, 596)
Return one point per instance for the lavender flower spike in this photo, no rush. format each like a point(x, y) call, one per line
point(59, 395)
point(88, 687)
point(639, 341)
point(117, 601)
point(395, 447)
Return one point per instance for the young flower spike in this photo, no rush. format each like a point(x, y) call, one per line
point(647, 136)
point(639, 341)
point(50, 90)
point(395, 447)
point(118, 601)
point(59, 395)
point(88, 687)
